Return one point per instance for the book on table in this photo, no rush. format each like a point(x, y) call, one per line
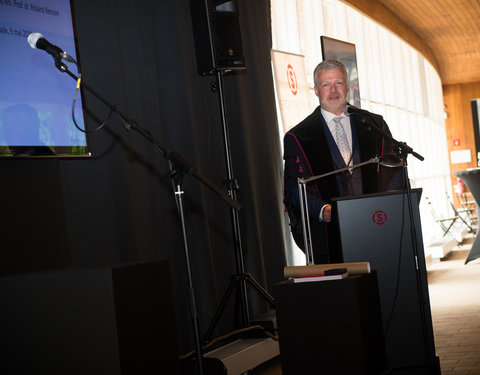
point(332, 274)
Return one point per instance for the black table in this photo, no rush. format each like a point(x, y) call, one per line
point(330, 327)
point(471, 178)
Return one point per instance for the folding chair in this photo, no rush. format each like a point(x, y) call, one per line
point(446, 223)
point(468, 207)
point(458, 214)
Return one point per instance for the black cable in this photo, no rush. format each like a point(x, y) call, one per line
point(397, 285)
point(77, 89)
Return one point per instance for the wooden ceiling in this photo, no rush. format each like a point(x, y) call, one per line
point(447, 32)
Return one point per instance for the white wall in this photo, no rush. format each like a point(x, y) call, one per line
point(396, 81)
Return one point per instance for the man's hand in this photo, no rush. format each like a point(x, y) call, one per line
point(327, 213)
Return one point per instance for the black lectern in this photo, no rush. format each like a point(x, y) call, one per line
point(376, 228)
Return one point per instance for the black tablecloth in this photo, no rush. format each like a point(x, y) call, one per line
point(471, 178)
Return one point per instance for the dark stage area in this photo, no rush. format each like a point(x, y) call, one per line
point(118, 208)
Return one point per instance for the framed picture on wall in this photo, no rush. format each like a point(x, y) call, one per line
point(334, 49)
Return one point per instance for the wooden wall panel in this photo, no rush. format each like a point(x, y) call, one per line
point(459, 121)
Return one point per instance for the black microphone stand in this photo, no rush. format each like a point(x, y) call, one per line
point(403, 150)
point(178, 168)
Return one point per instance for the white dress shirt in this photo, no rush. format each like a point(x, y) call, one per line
point(328, 116)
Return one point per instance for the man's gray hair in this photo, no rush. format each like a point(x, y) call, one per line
point(328, 65)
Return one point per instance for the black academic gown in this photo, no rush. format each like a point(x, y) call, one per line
point(310, 150)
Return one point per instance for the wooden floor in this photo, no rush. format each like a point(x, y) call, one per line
point(454, 290)
point(455, 300)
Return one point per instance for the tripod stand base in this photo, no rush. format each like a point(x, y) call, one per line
point(235, 280)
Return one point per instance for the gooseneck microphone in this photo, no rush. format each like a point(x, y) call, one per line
point(37, 41)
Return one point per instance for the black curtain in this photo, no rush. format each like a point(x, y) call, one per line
point(118, 206)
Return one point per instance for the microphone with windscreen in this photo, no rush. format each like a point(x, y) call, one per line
point(37, 41)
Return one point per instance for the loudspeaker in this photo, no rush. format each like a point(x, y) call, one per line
point(218, 39)
point(116, 320)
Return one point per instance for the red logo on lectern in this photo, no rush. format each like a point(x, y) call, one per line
point(379, 217)
point(292, 80)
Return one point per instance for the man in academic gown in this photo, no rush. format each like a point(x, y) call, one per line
point(330, 139)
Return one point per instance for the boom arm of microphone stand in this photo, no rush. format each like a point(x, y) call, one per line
point(313, 178)
point(406, 148)
point(182, 164)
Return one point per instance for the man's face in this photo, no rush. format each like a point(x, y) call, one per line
point(332, 89)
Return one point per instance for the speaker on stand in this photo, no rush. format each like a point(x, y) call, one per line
point(218, 40)
point(219, 50)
